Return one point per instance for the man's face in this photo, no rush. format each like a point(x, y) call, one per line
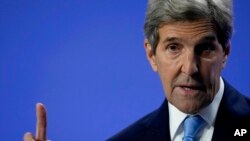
point(189, 60)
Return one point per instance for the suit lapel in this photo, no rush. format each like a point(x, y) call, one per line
point(227, 119)
point(221, 129)
point(158, 125)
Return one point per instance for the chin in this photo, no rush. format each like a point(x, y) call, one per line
point(189, 107)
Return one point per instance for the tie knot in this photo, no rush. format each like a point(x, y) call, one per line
point(192, 126)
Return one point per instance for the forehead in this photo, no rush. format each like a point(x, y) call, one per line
point(187, 30)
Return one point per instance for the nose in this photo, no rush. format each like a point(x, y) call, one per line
point(190, 64)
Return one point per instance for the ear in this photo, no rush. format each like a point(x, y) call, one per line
point(226, 53)
point(150, 56)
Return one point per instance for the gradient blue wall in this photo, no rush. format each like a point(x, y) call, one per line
point(84, 59)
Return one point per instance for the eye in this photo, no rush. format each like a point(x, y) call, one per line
point(205, 50)
point(173, 48)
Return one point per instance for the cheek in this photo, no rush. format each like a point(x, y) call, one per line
point(215, 70)
point(210, 73)
point(168, 71)
point(211, 68)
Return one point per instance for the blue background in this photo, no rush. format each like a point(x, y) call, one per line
point(84, 59)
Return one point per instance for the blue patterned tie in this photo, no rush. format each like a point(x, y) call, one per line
point(192, 126)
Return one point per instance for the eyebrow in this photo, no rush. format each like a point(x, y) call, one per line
point(171, 39)
point(208, 38)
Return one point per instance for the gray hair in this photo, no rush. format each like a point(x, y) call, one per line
point(160, 12)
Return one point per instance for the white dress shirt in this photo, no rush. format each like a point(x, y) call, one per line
point(176, 118)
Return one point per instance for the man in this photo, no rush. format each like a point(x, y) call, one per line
point(187, 43)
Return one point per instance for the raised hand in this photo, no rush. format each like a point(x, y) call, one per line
point(41, 125)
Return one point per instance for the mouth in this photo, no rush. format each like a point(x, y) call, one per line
point(191, 89)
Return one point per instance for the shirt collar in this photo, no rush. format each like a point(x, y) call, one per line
point(208, 113)
point(175, 119)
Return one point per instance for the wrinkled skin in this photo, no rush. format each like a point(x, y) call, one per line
point(189, 60)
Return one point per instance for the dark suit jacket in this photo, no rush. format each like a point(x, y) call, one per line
point(233, 113)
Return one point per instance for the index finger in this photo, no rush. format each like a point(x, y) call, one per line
point(41, 123)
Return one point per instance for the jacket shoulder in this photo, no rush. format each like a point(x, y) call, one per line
point(233, 113)
point(136, 131)
point(239, 103)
